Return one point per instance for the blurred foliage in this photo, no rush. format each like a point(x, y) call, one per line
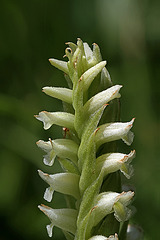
point(128, 34)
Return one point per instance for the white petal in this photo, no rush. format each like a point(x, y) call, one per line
point(121, 212)
point(115, 237)
point(125, 197)
point(45, 146)
point(63, 148)
point(126, 168)
point(48, 194)
point(128, 139)
point(50, 229)
point(100, 237)
point(49, 158)
point(44, 117)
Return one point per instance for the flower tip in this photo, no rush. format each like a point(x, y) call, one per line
point(129, 194)
point(38, 142)
point(43, 208)
point(43, 89)
point(79, 41)
point(39, 171)
point(133, 152)
point(43, 175)
point(133, 119)
point(39, 206)
point(131, 122)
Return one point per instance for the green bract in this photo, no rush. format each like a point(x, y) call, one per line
point(97, 206)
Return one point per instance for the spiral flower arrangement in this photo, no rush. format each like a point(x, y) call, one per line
point(97, 207)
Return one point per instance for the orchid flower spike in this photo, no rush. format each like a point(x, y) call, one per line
point(96, 206)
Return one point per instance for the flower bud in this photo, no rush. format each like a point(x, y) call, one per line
point(63, 94)
point(61, 65)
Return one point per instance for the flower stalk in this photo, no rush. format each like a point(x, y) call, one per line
point(91, 165)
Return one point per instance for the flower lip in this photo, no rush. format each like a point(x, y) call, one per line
point(125, 158)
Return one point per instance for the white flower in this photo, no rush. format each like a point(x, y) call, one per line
point(63, 218)
point(59, 118)
point(109, 202)
point(111, 162)
point(114, 131)
point(63, 148)
point(66, 183)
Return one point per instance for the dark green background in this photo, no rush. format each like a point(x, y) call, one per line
point(128, 34)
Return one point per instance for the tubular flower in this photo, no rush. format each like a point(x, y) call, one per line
point(91, 165)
